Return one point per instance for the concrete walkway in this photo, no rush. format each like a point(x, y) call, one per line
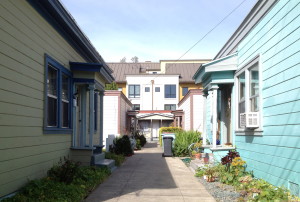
point(147, 176)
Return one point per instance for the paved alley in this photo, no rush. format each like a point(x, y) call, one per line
point(147, 176)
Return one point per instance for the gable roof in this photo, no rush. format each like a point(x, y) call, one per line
point(185, 70)
point(120, 70)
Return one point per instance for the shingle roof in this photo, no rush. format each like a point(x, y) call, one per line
point(122, 69)
point(185, 70)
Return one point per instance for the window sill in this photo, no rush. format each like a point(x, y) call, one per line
point(219, 148)
point(256, 132)
point(48, 130)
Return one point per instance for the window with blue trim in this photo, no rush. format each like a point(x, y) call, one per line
point(58, 96)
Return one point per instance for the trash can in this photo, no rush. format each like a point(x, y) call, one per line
point(167, 146)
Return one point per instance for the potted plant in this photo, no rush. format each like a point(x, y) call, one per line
point(195, 154)
point(210, 172)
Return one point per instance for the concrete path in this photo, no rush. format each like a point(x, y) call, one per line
point(147, 176)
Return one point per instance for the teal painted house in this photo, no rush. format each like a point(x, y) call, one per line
point(255, 103)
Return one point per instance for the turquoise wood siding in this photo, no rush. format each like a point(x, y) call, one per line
point(274, 156)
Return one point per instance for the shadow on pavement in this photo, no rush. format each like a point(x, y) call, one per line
point(146, 171)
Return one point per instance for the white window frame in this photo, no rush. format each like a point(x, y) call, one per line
point(246, 68)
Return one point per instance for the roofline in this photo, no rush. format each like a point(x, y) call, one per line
point(257, 12)
point(58, 16)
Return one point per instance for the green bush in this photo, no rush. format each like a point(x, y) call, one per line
point(141, 138)
point(51, 188)
point(168, 130)
point(119, 159)
point(64, 171)
point(183, 140)
point(122, 146)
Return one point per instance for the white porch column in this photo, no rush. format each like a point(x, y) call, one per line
point(101, 94)
point(204, 134)
point(214, 89)
point(91, 113)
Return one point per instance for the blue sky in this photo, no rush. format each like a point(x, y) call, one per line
point(155, 30)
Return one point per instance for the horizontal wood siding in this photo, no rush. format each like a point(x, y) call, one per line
point(25, 38)
point(274, 156)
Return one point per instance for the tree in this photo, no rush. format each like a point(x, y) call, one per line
point(123, 60)
point(135, 59)
point(111, 86)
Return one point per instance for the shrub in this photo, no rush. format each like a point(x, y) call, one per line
point(119, 158)
point(64, 171)
point(168, 130)
point(51, 188)
point(122, 145)
point(183, 140)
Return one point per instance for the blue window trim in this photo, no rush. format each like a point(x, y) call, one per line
point(60, 71)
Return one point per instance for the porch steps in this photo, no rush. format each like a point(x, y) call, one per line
point(99, 160)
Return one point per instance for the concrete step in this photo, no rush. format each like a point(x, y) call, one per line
point(108, 163)
point(97, 158)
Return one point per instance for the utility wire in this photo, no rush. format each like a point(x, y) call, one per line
point(208, 33)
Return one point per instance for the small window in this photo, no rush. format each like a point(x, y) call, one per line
point(170, 91)
point(120, 89)
point(147, 89)
point(185, 90)
point(154, 72)
point(136, 107)
point(170, 107)
point(157, 89)
point(134, 91)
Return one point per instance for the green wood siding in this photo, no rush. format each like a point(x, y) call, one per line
point(274, 156)
point(25, 38)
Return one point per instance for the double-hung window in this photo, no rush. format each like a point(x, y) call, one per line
point(170, 91)
point(58, 97)
point(134, 91)
point(248, 90)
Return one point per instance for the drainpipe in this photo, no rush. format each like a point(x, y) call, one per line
point(152, 82)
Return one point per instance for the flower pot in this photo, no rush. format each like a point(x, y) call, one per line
point(197, 156)
point(210, 179)
point(206, 160)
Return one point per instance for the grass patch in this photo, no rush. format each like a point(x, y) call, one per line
point(119, 158)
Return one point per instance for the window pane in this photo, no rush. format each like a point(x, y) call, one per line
point(65, 87)
point(65, 114)
point(137, 90)
point(254, 81)
point(185, 91)
point(51, 111)
point(170, 107)
point(157, 89)
point(136, 107)
point(131, 90)
point(147, 89)
point(170, 91)
point(242, 86)
point(52, 81)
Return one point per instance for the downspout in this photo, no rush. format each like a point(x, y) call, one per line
point(152, 82)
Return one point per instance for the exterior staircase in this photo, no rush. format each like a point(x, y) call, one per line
point(99, 160)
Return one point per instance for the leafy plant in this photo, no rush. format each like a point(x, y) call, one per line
point(122, 145)
point(111, 86)
point(227, 160)
point(64, 171)
point(119, 158)
point(183, 140)
point(84, 180)
point(168, 130)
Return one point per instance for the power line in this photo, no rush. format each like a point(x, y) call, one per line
point(212, 29)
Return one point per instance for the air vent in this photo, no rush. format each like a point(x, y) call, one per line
point(249, 120)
